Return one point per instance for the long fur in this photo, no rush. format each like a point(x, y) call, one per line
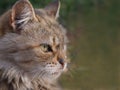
point(23, 64)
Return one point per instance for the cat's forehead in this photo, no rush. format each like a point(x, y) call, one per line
point(49, 33)
point(51, 36)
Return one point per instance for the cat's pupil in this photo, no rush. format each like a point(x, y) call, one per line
point(46, 48)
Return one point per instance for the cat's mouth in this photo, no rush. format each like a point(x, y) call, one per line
point(56, 71)
point(59, 71)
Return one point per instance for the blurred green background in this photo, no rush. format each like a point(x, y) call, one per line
point(94, 32)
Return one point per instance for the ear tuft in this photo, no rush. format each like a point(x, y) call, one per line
point(53, 9)
point(21, 13)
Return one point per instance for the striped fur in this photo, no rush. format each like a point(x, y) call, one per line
point(23, 63)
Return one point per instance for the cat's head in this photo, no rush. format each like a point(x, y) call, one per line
point(38, 43)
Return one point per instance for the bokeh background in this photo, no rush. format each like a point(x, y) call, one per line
point(94, 33)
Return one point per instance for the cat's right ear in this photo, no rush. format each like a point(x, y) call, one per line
point(22, 12)
point(53, 9)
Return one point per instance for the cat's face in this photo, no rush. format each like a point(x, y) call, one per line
point(38, 45)
point(42, 49)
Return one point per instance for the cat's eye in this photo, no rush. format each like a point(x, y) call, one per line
point(46, 48)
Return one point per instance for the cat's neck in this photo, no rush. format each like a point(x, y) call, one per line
point(21, 81)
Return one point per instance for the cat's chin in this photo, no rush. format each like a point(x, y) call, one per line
point(53, 75)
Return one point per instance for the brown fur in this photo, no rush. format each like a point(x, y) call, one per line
point(32, 47)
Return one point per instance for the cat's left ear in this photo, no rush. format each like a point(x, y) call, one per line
point(22, 12)
point(53, 9)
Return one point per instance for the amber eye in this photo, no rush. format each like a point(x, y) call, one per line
point(46, 48)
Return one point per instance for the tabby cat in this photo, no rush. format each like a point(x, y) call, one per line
point(32, 47)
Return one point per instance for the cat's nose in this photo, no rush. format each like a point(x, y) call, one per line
point(61, 61)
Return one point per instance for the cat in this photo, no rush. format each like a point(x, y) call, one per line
point(33, 47)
